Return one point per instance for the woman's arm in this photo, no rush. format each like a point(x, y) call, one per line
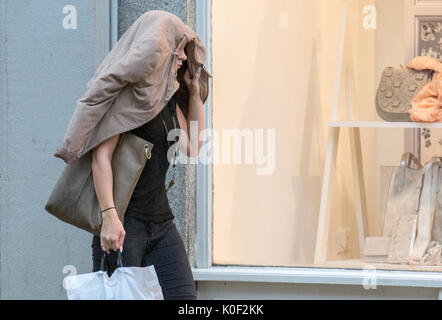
point(112, 232)
point(191, 145)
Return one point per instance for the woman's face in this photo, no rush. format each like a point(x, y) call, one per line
point(181, 56)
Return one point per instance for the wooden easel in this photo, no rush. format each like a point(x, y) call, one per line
point(331, 155)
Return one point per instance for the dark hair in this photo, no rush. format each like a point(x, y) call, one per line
point(182, 94)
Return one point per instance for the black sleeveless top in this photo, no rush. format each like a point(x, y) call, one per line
point(149, 200)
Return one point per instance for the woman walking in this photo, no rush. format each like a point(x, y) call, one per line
point(127, 94)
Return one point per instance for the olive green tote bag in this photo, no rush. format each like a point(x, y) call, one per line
point(73, 199)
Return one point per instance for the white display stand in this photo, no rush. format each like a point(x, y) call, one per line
point(334, 129)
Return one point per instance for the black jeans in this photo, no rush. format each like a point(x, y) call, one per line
point(160, 244)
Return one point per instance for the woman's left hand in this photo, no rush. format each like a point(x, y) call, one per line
point(192, 84)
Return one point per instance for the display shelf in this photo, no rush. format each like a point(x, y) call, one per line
point(382, 124)
point(335, 127)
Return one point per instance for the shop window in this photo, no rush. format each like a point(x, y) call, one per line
point(278, 89)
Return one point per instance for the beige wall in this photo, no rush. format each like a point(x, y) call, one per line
point(273, 66)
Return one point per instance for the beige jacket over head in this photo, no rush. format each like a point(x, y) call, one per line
point(134, 82)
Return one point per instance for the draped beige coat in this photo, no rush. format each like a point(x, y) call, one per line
point(134, 82)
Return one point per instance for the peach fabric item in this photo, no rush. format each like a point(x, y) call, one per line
point(427, 105)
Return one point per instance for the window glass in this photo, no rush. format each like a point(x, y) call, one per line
point(274, 66)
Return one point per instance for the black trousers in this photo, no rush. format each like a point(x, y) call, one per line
point(158, 244)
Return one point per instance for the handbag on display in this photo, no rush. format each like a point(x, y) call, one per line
point(398, 86)
point(404, 192)
point(436, 232)
point(73, 199)
point(412, 202)
point(430, 193)
point(122, 283)
point(402, 239)
point(402, 208)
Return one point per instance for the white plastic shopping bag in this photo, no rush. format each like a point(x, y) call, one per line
point(125, 283)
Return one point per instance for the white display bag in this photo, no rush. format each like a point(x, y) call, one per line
point(125, 283)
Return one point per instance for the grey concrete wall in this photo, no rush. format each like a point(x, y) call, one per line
point(43, 71)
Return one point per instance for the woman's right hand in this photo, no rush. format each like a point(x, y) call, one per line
point(112, 231)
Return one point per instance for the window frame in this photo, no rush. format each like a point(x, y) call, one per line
point(204, 173)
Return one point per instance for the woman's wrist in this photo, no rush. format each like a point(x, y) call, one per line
point(111, 213)
point(194, 97)
point(108, 208)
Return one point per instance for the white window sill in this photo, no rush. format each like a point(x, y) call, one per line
point(319, 276)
